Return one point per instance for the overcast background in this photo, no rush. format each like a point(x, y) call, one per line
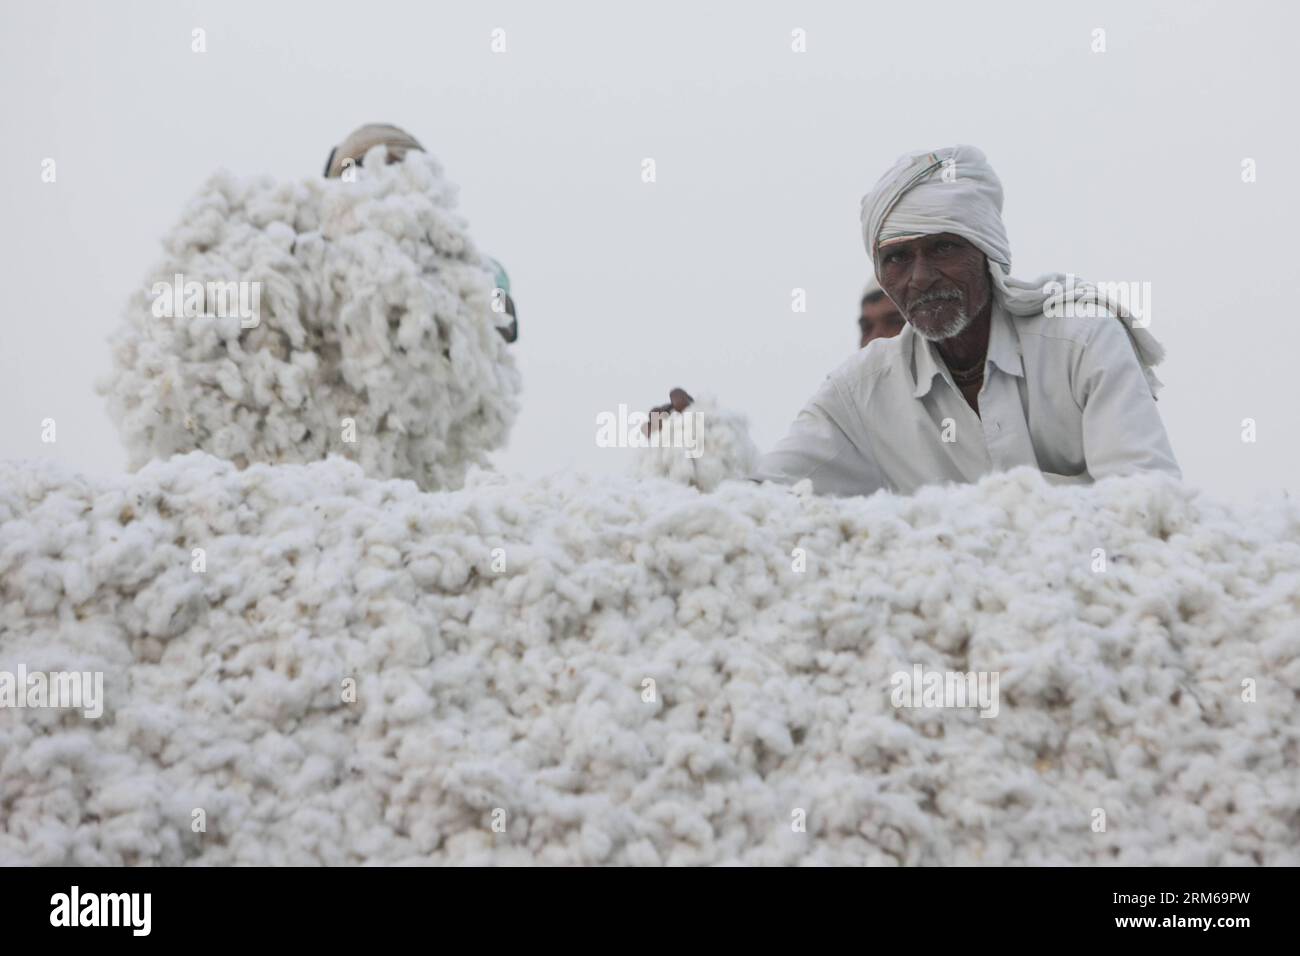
point(1122, 165)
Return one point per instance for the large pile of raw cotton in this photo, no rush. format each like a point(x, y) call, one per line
point(362, 672)
point(374, 337)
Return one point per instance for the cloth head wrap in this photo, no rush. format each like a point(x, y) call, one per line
point(955, 190)
point(364, 138)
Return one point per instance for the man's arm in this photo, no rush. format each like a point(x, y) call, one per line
point(1122, 431)
point(818, 447)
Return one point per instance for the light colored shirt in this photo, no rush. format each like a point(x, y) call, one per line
point(1065, 395)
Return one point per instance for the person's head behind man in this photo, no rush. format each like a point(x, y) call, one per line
point(879, 317)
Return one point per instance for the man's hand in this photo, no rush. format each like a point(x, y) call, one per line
point(678, 401)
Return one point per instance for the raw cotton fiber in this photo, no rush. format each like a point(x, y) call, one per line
point(710, 447)
point(375, 339)
point(365, 673)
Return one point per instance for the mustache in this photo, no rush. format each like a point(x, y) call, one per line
point(942, 295)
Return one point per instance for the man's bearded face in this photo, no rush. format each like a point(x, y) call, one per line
point(939, 282)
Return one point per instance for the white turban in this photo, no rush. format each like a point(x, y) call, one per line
point(956, 190)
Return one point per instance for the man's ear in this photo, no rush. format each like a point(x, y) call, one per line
point(330, 162)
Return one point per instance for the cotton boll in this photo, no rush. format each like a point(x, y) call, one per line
point(700, 447)
point(373, 337)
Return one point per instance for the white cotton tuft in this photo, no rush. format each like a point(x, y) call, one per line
point(615, 671)
point(701, 447)
point(375, 338)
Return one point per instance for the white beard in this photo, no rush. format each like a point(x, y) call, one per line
point(954, 326)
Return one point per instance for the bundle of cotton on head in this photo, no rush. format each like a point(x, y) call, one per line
point(375, 338)
point(702, 452)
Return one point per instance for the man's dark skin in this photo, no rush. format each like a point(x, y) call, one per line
point(913, 269)
point(678, 401)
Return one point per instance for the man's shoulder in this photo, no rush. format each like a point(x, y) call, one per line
point(866, 365)
point(1070, 327)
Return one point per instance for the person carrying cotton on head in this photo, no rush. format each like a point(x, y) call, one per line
point(351, 153)
point(990, 372)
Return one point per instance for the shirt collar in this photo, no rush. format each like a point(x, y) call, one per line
point(1004, 351)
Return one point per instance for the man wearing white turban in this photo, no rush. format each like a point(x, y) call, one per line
point(1048, 373)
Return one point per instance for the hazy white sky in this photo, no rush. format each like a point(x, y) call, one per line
point(1123, 166)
